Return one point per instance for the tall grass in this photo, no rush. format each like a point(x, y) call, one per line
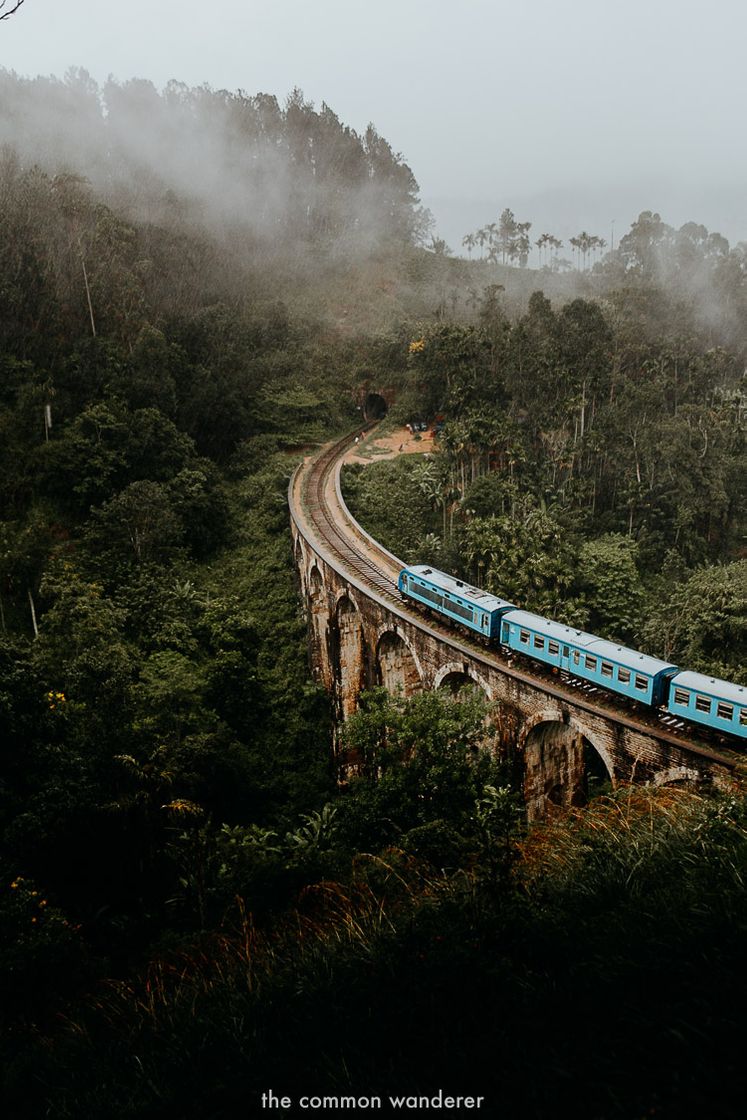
point(605, 978)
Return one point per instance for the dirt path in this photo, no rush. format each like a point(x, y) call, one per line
point(372, 446)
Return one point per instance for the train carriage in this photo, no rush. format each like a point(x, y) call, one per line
point(473, 608)
point(710, 701)
point(626, 671)
point(541, 638)
point(612, 666)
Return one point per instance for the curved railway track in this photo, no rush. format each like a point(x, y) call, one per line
point(320, 513)
point(352, 547)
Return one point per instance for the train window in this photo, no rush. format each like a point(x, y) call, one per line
point(702, 704)
point(576, 657)
point(505, 632)
point(566, 651)
point(606, 669)
point(591, 663)
point(459, 608)
point(725, 711)
point(524, 637)
point(539, 643)
point(623, 675)
point(430, 594)
point(553, 648)
point(681, 697)
point(743, 717)
point(641, 683)
point(485, 621)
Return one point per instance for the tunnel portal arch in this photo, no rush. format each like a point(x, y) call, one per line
point(374, 407)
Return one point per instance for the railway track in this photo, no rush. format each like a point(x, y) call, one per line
point(348, 546)
point(374, 570)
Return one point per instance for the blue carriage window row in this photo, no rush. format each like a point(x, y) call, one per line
point(429, 594)
point(460, 609)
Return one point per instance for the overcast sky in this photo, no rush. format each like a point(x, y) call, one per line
point(575, 113)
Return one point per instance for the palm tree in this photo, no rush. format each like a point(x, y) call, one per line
point(555, 244)
point(492, 232)
point(522, 244)
point(598, 244)
point(542, 243)
point(469, 241)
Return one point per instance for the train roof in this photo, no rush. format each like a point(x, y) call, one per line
point(611, 651)
point(711, 686)
point(557, 630)
point(630, 658)
point(455, 586)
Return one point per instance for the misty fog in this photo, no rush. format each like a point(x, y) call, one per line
point(228, 158)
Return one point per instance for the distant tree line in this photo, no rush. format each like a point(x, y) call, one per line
point(508, 242)
point(651, 247)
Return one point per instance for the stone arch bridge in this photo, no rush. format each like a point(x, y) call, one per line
point(558, 733)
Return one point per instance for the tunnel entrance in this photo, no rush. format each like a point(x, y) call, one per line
point(374, 407)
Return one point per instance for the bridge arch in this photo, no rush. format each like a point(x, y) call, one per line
point(318, 617)
point(300, 552)
point(349, 654)
point(678, 775)
point(300, 559)
point(459, 674)
point(397, 666)
point(316, 592)
point(562, 759)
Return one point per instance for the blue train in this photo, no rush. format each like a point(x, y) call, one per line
point(658, 684)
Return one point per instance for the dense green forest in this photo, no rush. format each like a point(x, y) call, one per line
point(193, 907)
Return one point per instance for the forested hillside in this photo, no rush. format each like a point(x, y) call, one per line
point(194, 286)
point(591, 467)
